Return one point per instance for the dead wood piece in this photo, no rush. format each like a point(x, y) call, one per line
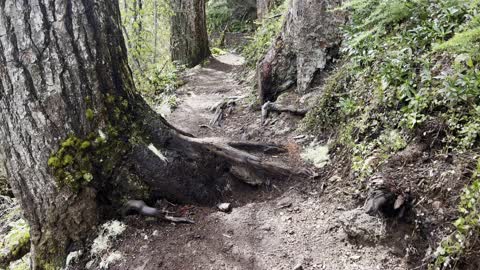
point(179, 219)
point(140, 207)
point(272, 107)
point(267, 148)
point(219, 109)
point(255, 166)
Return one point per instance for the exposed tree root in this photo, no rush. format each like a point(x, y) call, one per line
point(272, 107)
point(267, 148)
point(249, 168)
point(143, 209)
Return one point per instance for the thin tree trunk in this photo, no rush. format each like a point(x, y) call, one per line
point(189, 40)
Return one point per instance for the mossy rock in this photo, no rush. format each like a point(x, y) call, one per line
point(21, 264)
point(16, 243)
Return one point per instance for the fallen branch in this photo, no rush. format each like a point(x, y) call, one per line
point(220, 107)
point(140, 207)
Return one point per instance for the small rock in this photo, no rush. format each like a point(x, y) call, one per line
point(355, 257)
point(436, 205)
point(155, 233)
point(225, 207)
point(266, 228)
point(298, 267)
point(284, 203)
point(361, 226)
point(291, 232)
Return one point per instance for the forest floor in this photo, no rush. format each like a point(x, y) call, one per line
point(285, 224)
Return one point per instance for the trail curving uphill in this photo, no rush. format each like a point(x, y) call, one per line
point(281, 225)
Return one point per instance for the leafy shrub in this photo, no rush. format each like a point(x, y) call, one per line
point(467, 228)
point(265, 34)
point(406, 63)
point(410, 62)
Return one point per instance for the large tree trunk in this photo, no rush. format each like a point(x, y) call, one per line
point(79, 140)
point(309, 41)
point(189, 40)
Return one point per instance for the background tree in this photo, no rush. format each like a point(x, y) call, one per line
point(189, 39)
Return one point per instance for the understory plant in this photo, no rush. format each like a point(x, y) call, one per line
point(267, 30)
point(409, 67)
point(408, 63)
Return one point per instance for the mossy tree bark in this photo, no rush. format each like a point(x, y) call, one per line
point(78, 138)
point(189, 37)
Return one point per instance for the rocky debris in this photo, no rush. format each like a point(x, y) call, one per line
point(14, 233)
point(72, 258)
point(224, 207)
point(382, 200)
point(21, 264)
point(359, 226)
point(317, 155)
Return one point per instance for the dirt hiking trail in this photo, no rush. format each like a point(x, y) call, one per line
point(284, 224)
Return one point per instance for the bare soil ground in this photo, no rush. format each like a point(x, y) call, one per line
point(287, 224)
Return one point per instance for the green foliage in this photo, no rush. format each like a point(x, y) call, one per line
point(409, 62)
point(325, 115)
point(366, 155)
point(16, 241)
point(467, 228)
point(219, 14)
point(72, 163)
point(225, 15)
point(148, 46)
point(81, 159)
point(217, 51)
point(467, 41)
point(265, 34)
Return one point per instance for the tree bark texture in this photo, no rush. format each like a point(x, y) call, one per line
point(189, 37)
point(309, 41)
